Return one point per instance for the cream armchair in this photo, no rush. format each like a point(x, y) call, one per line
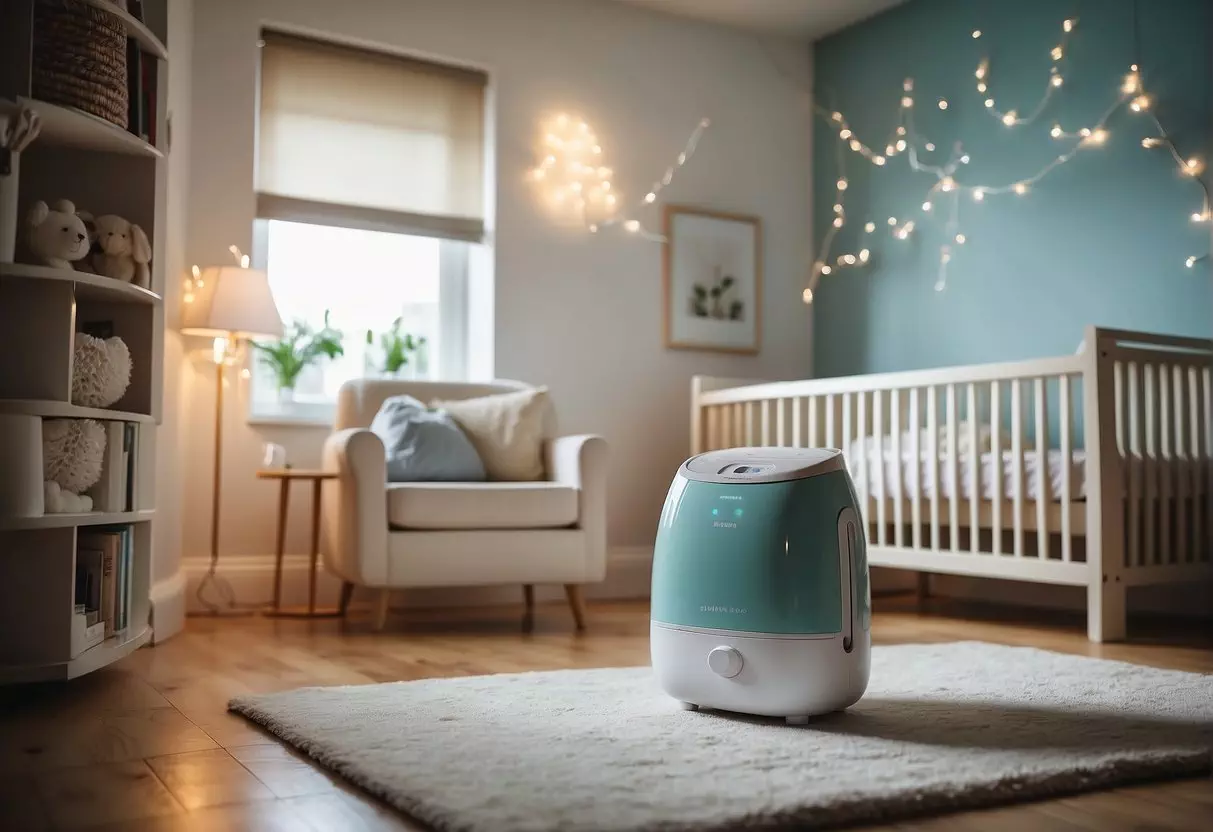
point(428, 534)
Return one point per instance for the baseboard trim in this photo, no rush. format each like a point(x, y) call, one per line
point(167, 600)
point(251, 578)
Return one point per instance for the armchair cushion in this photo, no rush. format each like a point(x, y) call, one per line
point(507, 431)
point(482, 505)
point(423, 444)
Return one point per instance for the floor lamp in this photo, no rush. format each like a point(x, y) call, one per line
point(230, 304)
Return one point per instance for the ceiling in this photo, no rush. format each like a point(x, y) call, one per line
point(800, 19)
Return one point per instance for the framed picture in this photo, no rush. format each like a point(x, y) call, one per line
point(713, 281)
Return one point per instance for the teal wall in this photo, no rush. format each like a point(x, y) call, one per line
point(1101, 241)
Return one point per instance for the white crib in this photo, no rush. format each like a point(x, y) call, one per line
point(1093, 469)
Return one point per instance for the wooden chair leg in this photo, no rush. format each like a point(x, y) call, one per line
point(528, 595)
point(576, 604)
point(347, 591)
point(381, 610)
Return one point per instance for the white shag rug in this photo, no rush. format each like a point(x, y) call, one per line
point(942, 727)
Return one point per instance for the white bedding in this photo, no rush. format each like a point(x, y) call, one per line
point(887, 486)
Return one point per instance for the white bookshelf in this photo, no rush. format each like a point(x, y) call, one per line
point(104, 169)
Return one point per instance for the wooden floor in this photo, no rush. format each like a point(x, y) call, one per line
point(148, 745)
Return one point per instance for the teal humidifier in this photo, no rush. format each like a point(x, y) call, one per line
point(760, 597)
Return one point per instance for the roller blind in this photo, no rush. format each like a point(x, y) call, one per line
point(370, 140)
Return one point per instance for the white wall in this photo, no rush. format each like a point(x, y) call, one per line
point(577, 312)
point(168, 579)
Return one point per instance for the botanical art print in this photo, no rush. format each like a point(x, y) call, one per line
point(713, 281)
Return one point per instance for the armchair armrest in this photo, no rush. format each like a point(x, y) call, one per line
point(581, 462)
point(355, 507)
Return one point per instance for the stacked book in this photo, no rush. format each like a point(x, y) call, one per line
point(116, 489)
point(104, 574)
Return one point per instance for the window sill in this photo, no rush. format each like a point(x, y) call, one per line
point(296, 414)
point(288, 420)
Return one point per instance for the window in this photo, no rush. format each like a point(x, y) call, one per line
point(370, 192)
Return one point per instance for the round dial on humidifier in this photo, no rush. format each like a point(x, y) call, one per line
point(725, 661)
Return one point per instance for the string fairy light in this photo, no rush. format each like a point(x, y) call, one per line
point(577, 183)
point(1011, 118)
point(946, 189)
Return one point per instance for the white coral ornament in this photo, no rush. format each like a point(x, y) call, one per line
point(72, 452)
point(101, 370)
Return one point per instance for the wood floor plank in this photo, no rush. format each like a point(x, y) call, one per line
point(350, 813)
point(21, 807)
point(75, 753)
point(80, 798)
point(200, 779)
point(262, 816)
point(284, 771)
point(43, 742)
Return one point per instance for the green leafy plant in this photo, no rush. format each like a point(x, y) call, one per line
point(300, 347)
point(396, 346)
point(700, 296)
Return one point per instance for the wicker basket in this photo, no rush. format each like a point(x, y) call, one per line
point(80, 58)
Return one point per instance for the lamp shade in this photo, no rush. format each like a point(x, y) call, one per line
point(232, 301)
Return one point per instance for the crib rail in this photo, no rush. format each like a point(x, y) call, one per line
point(968, 469)
point(1162, 402)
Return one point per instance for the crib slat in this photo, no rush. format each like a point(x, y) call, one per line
point(995, 467)
point(845, 434)
point(1206, 395)
point(895, 430)
point(953, 467)
point(814, 435)
point(1199, 459)
point(1017, 481)
point(915, 470)
point(975, 452)
point(933, 461)
point(1150, 490)
point(1067, 456)
point(781, 421)
point(861, 459)
point(797, 405)
point(881, 490)
point(1179, 466)
point(1162, 466)
point(1044, 484)
point(1133, 457)
point(766, 424)
point(747, 437)
point(831, 428)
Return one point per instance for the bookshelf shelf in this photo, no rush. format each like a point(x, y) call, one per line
point(89, 518)
point(134, 28)
point(69, 127)
point(64, 410)
point(92, 659)
point(87, 286)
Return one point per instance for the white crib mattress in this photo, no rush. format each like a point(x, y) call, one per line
point(922, 485)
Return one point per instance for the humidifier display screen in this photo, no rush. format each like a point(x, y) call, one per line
point(728, 512)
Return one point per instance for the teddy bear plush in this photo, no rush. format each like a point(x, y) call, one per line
point(121, 250)
point(57, 236)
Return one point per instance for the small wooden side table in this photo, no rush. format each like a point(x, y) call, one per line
point(286, 476)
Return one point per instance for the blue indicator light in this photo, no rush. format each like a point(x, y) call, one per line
point(715, 511)
point(737, 512)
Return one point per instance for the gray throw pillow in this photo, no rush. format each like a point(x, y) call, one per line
point(424, 445)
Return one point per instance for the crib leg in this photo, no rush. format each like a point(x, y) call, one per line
point(924, 586)
point(1106, 610)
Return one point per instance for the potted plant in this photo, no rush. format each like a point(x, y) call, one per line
point(300, 347)
point(395, 347)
